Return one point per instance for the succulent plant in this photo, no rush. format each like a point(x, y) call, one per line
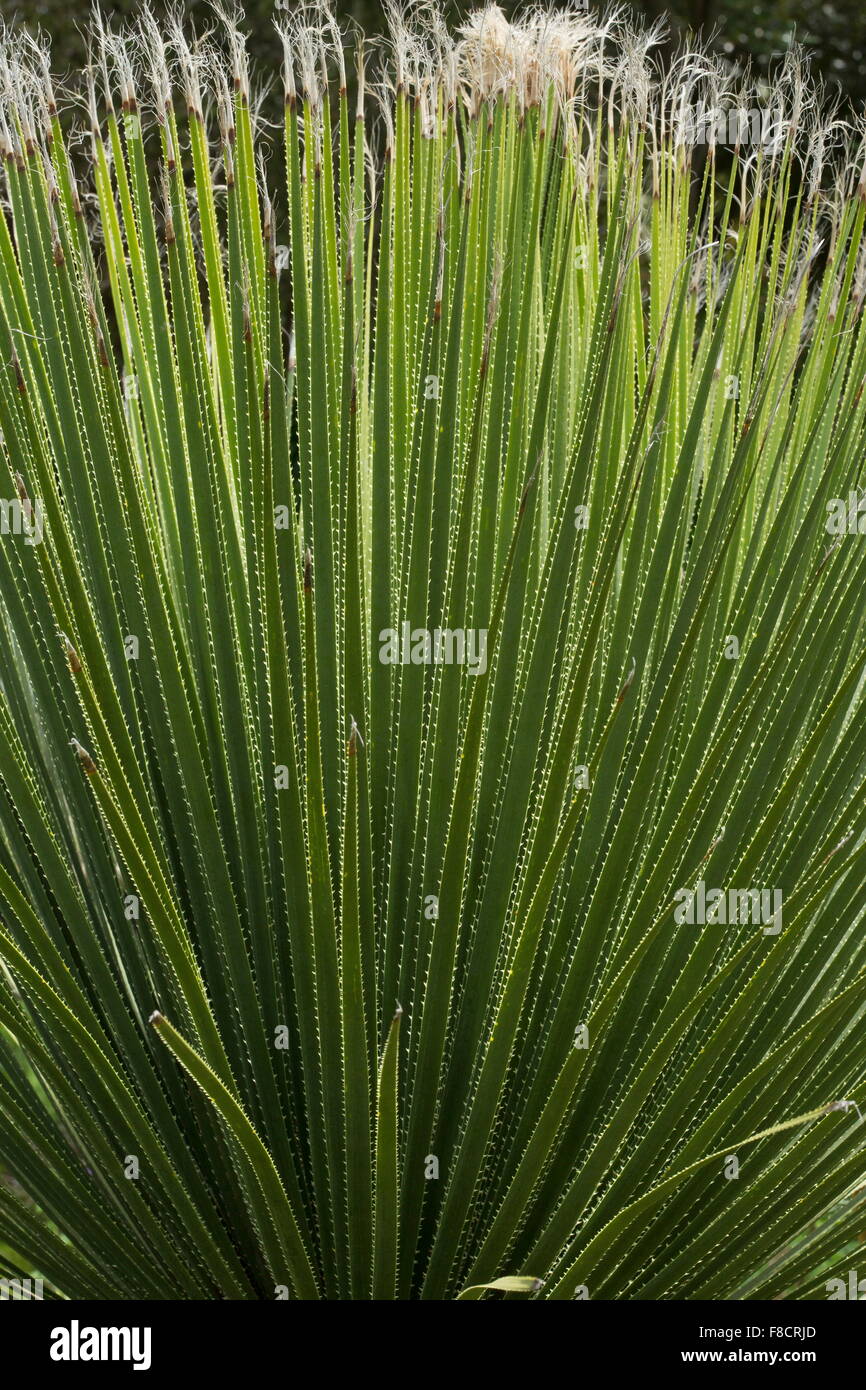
point(431, 695)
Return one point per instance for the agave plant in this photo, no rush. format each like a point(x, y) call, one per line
point(431, 701)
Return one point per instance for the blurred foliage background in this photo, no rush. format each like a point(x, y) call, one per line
point(834, 34)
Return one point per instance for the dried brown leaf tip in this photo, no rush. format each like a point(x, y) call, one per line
point(628, 680)
point(354, 737)
point(23, 497)
point(83, 757)
point(836, 848)
point(71, 654)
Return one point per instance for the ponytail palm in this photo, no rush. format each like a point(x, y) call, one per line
point(421, 582)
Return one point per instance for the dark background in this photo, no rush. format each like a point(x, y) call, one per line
point(834, 34)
